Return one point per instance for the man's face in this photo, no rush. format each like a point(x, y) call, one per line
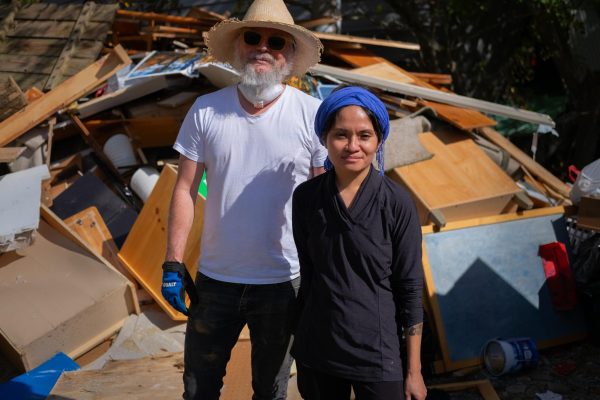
point(265, 53)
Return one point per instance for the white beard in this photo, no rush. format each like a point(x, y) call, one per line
point(262, 88)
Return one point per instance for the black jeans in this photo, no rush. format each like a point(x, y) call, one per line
point(213, 328)
point(316, 385)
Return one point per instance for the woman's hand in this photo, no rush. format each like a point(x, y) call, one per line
point(414, 386)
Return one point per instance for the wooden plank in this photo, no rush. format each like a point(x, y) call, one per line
point(534, 168)
point(460, 180)
point(91, 141)
point(95, 31)
point(145, 247)
point(42, 29)
point(121, 96)
point(432, 94)
point(33, 47)
point(41, 11)
point(433, 79)
point(462, 118)
point(384, 70)
point(90, 226)
point(9, 154)
point(498, 264)
point(363, 40)
point(31, 64)
point(64, 94)
point(150, 16)
point(12, 99)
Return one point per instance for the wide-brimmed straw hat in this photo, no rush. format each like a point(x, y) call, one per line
point(220, 40)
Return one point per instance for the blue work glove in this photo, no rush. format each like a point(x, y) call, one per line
point(172, 285)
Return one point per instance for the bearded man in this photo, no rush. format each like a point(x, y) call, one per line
point(256, 142)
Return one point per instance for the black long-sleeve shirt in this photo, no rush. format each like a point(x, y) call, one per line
point(361, 277)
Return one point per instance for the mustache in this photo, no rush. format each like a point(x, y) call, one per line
point(262, 57)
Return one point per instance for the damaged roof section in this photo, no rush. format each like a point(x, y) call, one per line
point(43, 44)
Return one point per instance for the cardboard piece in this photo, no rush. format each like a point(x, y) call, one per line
point(20, 206)
point(495, 261)
point(144, 250)
point(56, 296)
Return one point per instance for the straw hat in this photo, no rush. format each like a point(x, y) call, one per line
point(264, 14)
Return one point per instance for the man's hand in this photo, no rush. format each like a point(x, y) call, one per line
point(172, 286)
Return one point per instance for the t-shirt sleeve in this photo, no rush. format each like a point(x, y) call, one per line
point(407, 266)
point(318, 152)
point(189, 140)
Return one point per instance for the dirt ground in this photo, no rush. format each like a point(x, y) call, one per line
point(570, 371)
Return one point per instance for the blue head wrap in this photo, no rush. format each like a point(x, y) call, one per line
point(353, 96)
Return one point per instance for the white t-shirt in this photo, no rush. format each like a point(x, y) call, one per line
point(253, 164)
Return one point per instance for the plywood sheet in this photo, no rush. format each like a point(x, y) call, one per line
point(386, 71)
point(144, 250)
point(90, 226)
point(495, 261)
point(157, 377)
point(462, 118)
point(460, 179)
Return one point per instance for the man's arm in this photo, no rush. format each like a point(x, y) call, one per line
point(181, 210)
point(316, 171)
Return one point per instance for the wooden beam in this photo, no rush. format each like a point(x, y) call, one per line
point(91, 141)
point(10, 154)
point(64, 94)
point(363, 40)
point(532, 166)
point(313, 22)
point(432, 94)
point(150, 16)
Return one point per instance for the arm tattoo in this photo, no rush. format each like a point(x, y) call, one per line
point(415, 330)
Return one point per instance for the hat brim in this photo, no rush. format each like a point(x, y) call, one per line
point(221, 38)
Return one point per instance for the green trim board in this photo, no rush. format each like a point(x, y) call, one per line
point(484, 280)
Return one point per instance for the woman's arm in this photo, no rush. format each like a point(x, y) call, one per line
point(407, 284)
point(414, 386)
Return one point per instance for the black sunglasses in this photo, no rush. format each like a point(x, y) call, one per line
point(276, 43)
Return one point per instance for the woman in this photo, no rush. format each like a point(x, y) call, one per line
point(359, 242)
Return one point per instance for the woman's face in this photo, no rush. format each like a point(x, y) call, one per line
point(352, 141)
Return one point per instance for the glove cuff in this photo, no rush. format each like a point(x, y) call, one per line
point(174, 266)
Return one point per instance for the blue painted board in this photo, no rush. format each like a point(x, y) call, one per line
point(38, 383)
point(490, 282)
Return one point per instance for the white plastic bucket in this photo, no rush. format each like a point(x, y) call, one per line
point(119, 150)
point(502, 356)
point(143, 181)
point(587, 183)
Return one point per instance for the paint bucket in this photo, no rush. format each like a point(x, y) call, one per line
point(119, 150)
point(143, 181)
point(502, 356)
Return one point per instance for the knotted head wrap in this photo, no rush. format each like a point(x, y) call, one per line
point(353, 96)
